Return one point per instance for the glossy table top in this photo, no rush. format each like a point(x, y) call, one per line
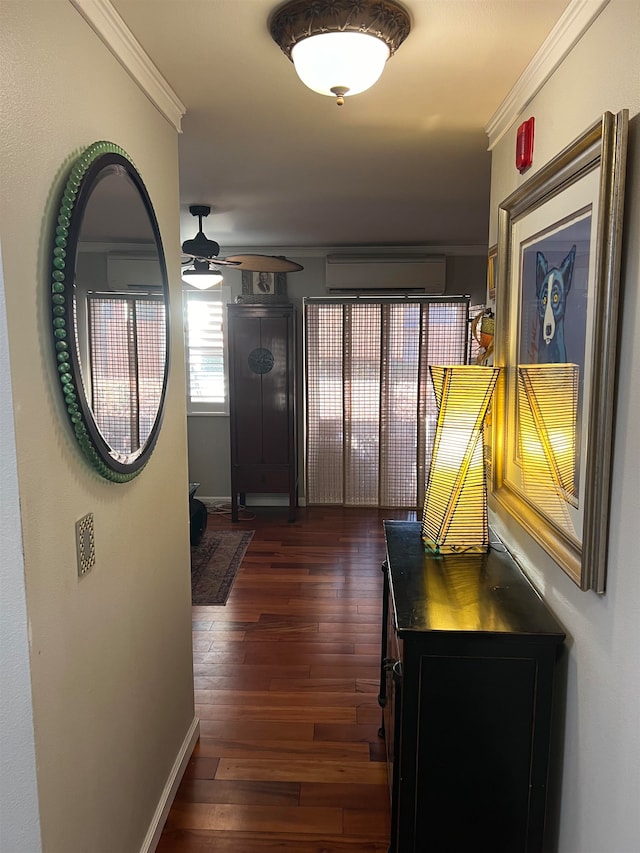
point(485, 593)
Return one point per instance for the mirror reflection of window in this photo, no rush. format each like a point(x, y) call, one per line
point(119, 312)
point(127, 343)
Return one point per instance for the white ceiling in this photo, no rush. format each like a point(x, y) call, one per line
point(404, 164)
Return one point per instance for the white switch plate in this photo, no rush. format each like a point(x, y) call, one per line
point(85, 544)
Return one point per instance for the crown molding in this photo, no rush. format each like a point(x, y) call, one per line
point(571, 26)
point(105, 21)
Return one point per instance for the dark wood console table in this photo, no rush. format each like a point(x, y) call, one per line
point(469, 655)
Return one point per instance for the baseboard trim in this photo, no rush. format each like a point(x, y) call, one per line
point(212, 503)
point(168, 794)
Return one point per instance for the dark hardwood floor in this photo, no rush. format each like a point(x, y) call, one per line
point(287, 677)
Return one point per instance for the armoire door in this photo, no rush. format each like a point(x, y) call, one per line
point(262, 401)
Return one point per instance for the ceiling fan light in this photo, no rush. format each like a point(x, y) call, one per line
point(330, 62)
point(202, 278)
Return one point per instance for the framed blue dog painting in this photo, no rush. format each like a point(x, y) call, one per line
point(556, 322)
point(553, 317)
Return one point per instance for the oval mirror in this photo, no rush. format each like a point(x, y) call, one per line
point(109, 296)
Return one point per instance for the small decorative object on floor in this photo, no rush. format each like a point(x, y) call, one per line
point(197, 515)
point(215, 563)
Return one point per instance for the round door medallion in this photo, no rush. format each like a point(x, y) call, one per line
point(260, 360)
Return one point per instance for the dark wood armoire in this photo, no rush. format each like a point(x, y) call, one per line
point(262, 401)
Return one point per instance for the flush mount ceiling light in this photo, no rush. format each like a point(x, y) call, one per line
point(339, 48)
point(202, 253)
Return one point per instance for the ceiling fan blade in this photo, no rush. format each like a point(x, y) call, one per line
point(264, 263)
point(217, 262)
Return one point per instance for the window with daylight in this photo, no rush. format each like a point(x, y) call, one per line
point(204, 321)
point(371, 410)
point(127, 344)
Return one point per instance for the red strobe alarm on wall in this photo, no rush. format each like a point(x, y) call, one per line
point(524, 145)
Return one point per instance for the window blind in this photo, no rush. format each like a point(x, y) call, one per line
point(127, 343)
point(370, 408)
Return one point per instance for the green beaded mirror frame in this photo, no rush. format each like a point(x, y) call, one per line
point(105, 164)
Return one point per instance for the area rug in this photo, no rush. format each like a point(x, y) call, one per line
point(214, 564)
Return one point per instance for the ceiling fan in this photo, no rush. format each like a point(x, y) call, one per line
point(203, 253)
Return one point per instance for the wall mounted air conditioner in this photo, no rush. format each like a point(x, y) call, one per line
point(409, 273)
point(133, 271)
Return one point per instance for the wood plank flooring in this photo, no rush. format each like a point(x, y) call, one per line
point(286, 678)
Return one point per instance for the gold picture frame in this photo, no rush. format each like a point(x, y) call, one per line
point(571, 210)
point(492, 257)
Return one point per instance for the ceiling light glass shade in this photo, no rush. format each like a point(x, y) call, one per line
point(202, 276)
point(455, 505)
point(340, 63)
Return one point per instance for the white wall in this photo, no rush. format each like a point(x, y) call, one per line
point(600, 787)
point(110, 654)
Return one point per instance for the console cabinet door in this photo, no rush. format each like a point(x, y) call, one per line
point(468, 751)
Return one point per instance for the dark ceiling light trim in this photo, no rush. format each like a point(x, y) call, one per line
point(299, 19)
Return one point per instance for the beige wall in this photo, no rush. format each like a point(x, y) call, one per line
point(600, 776)
point(110, 654)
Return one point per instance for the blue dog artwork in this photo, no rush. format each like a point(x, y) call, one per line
point(554, 296)
point(553, 285)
